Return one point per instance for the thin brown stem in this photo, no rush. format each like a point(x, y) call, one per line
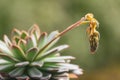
point(71, 27)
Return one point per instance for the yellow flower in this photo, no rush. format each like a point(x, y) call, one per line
point(93, 34)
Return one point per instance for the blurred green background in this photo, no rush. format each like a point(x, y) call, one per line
point(57, 15)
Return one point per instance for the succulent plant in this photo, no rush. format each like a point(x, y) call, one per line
point(32, 55)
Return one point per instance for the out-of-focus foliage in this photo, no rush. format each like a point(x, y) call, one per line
point(57, 15)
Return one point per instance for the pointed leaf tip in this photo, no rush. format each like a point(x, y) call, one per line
point(42, 40)
point(62, 47)
point(16, 32)
point(7, 41)
point(4, 48)
point(35, 30)
point(52, 35)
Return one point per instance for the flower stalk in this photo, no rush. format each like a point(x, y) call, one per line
point(93, 34)
point(81, 21)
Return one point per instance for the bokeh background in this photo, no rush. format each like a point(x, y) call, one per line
point(57, 15)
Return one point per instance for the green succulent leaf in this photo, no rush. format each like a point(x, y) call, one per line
point(46, 76)
point(40, 57)
point(52, 35)
point(69, 66)
point(17, 72)
point(18, 52)
point(50, 64)
point(2, 61)
point(22, 44)
point(34, 41)
point(4, 48)
point(60, 58)
point(47, 46)
point(42, 40)
point(63, 76)
point(29, 43)
point(22, 77)
point(35, 73)
point(37, 63)
point(54, 60)
point(22, 64)
point(51, 69)
point(5, 66)
point(7, 41)
point(51, 52)
point(31, 54)
point(77, 71)
point(8, 58)
point(35, 30)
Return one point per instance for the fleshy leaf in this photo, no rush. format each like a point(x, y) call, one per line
point(5, 66)
point(42, 40)
point(4, 48)
point(54, 60)
point(18, 52)
point(31, 53)
point(22, 64)
point(48, 45)
point(37, 63)
point(34, 30)
point(22, 44)
point(60, 58)
point(52, 35)
point(8, 58)
point(50, 65)
point(35, 73)
point(22, 77)
point(17, 72)
point(34, 41)
point(77, 71)
point(29, 43)
point(63, 76)
point(40, 57)
point(51, 69)
point(7, 41)
point(69, 66)
point(2, 61)
point(52, 51)
point(46, 76)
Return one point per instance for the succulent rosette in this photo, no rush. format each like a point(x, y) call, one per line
point(31, 54)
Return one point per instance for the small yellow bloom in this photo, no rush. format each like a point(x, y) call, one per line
point(93, 34)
